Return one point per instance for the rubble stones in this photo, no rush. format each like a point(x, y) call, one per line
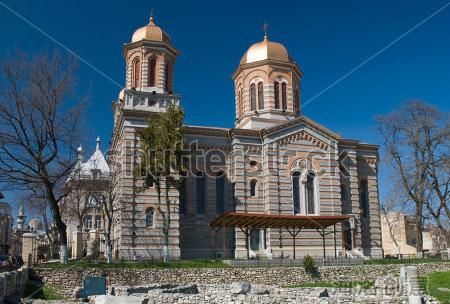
point(240, 288)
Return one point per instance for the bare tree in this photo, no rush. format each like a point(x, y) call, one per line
point(37, 203)
point(406, 133)
point(110, 204)
point(391, 218)
point(39, 124)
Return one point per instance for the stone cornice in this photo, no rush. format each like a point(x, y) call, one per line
point(356, 144)
point(154, 44)
point(301, 119)
point(269, 62)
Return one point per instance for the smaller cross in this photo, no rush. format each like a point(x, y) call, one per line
point(265, 29)
point(151, 16)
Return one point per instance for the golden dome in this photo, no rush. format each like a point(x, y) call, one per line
point(150, 32)
point(266, 50)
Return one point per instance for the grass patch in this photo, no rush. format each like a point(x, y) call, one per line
point(389, 261)
point(437, 280)
point(350, 284)
point(45, 293)
point(86, 264)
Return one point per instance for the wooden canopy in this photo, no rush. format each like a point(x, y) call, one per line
point(294, 224)
point(258, 220)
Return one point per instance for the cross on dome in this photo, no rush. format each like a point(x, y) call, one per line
point(152, 22)
point(265, 29)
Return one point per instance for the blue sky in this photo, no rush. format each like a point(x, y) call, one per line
point(326, 38)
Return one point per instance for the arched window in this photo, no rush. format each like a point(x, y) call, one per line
point(253, 188)
point(220, 192)
point(253, 97)
point(296, 100)
point(136, 73)
point(151, 71)
point(149, 213)
point(284, 96)
point(310, 203)
point(200, 191)
point(168, 78)
point(240, 104)
point(260, 95)
point(364, 198)
point(276, 90)
point(344, 193)
point(296, 191)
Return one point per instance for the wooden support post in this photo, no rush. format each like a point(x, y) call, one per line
point(335, 249)
point(213, 243)
point(224, 243)
point(247, 243)
point(294, 234)
point(245, 231)
point(293, 244)
point(323, 243)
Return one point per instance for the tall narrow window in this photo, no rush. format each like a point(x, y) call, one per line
point(152, 72)
point(344, 194)
point(240, 104)
point(200, 190)
point(296, 100)
point(136, 73)
point(364, 198)
point(260, 95)
point(98, 221)
point(183, 195)
point(88, 221)
point(310, 203)
point(296, 191)
point(220, 192)
point(284, 96)
point(276, 91)
point(149, 213)
point(168, 76)
point(253, 187)
point(253, 97)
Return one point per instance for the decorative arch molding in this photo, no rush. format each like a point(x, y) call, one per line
point(255, 80)
point(302, 135)
point(152, 52)
point(306, 161)
point(148, 206)
point(281, 79)
point(253, 74)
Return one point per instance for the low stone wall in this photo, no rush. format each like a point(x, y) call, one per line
point(12, 284)
point(69, 279)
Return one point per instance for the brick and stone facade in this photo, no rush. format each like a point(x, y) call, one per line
point(275, 160)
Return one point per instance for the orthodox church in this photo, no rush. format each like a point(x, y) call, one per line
point(276, 185)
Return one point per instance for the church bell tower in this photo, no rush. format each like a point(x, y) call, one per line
point(267, 86)
point(149, 59)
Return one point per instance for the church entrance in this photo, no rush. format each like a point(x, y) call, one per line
point(257, 239)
